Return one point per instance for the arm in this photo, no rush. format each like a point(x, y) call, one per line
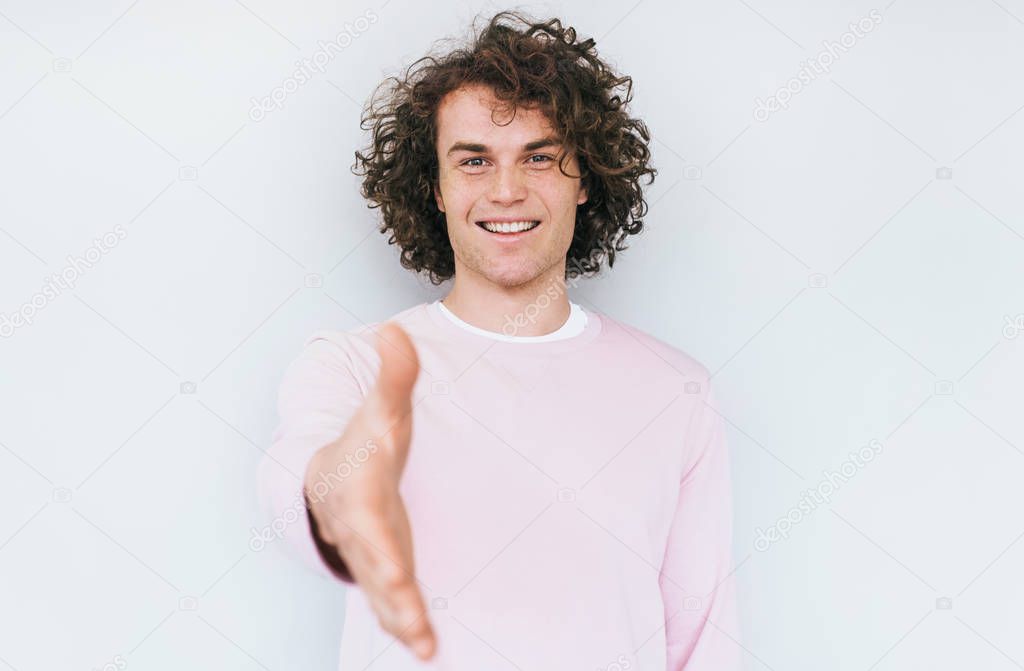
point(357, 510)
point(701, 623)
point(317, 396)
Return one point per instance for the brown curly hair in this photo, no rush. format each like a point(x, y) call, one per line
point(539, 66)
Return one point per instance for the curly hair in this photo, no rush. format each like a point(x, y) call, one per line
point(539, 66)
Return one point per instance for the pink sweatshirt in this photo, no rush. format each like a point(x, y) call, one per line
point(570, 499)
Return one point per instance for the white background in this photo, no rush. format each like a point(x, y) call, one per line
point(850, 269)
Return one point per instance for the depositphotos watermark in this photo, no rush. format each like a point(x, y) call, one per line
point(812, 498)
point(621, 663)
point(529, 313)
point(297, 511)
point(1013, 326)
point(813, 67)
point(308, 67)
point(118, 663)
point(57, 282)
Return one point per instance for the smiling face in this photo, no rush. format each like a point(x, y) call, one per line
point(509, 172)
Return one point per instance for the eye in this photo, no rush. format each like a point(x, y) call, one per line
point(469, 161)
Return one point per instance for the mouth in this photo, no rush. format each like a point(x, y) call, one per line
point(508, 230)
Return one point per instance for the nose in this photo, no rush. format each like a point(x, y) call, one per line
point(507, 185)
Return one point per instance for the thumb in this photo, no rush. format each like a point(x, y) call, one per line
point(399, 368)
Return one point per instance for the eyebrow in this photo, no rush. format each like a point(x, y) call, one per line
point(476, 147)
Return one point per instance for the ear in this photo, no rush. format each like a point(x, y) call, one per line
point(437, 197)
point(582, 197)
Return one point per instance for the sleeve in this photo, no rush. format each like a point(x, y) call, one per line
point(697, 585)
point(318, 394)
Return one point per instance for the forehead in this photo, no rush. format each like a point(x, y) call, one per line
point(472, 114)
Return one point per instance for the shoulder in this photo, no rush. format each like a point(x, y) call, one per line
point(355, 348)
point(639, 346)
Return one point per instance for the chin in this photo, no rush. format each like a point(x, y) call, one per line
point(514, 277)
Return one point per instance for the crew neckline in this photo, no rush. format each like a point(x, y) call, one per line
point(573, 325)
point(518, 347)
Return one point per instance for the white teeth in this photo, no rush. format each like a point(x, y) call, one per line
point(509, 227)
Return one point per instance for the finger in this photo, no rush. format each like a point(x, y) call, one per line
point(385, 585)
point(358, 540)
point(425, 647)
point(398, 605)
point(376, 551)
point(409, 622)
point(419, 637)
point(399, 368)
point(386, 578)
point(391, 575)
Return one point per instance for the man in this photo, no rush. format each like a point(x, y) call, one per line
point(562, 477)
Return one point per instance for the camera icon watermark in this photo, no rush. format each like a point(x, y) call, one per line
point(187, 387)
point(692, 173)
point(440, 387)
point(314, 281)
point(188, 173)
point(566, 495)
point(61, 495)
point(943, 172)
point(439, 603)
point(692, 387)
point(944, 388)
point(188, 603)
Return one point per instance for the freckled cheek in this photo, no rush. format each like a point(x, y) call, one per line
point(464, 195)
point(561, 201)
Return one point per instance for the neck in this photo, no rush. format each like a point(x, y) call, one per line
point(536, 308)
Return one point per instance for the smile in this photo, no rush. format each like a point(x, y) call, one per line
point(508, 227)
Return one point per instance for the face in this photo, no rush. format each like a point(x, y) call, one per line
point(506, 172)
